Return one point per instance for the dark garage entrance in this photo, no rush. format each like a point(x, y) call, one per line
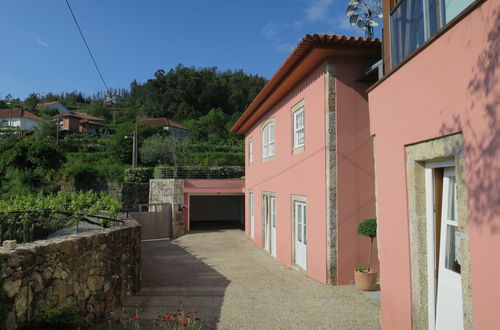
point(214, 212)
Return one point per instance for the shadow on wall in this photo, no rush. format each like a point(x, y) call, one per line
point(173, 278)
point(482, 145)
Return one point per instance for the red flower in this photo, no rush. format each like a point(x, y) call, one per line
point(109, 311)
point(175, 320)
point(135, 318)
point(183, 324)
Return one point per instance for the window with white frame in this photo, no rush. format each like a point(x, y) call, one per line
point(268, 147)
point(250, 152)
point(298, 128)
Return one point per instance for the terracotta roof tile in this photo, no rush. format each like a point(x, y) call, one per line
point(15, 113)
point(82, 115)
point(308, 43)
point(90, 122)
point(163, 122)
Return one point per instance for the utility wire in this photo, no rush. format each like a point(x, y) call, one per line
point(88, 48)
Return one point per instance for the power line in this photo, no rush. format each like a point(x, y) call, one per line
point(88, 48)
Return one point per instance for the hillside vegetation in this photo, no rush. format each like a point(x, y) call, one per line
point(205, 100)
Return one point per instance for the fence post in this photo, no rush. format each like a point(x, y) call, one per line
point(25, 232)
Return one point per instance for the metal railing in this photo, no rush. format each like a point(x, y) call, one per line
point(28, 226)
point(199, 172)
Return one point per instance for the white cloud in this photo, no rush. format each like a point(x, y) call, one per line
point(270, 30)
point(341, 22)
point(36, 37)
point(319, 11)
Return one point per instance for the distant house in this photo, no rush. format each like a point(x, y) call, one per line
point(174, 128)
point(78, 122)
point(18, 118)
point(54, 105)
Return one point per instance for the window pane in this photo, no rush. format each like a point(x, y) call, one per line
point(407, 29)
point(273, 212)
point(271, 133)
point(452, 258)
point(299, 232)
point(251, 204)
point(271, 148)
point(452, 199)
point(451, 8)
point(300, 137)
point(305, 233)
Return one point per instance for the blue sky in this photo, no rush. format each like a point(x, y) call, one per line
point(131, 39)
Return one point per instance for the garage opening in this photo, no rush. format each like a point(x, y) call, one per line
point(215, 212)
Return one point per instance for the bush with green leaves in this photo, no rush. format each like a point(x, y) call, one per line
point(161, 149)
point(215, 159)
point(368, 227)
point(87, 169)
point(65, 318)
point(213, 172)
point(79, 203)
point(138, 175)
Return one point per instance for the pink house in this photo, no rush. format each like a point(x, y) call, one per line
point(309, 176)
point(435, 122)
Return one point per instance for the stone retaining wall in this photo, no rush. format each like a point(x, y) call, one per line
point(92, 271)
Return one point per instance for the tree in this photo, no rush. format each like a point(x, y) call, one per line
point(31, 154)
point(31, 102)
point(120, 143)
point(45, 128)
point(163, 150)
point(368, 227)
point(211, 127)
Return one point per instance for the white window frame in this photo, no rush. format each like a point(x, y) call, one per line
point(252, 214)
point(268, 140)
point(296, 129)
point(250, 151)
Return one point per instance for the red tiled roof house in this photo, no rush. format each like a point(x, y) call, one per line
point(18, 118)
point(309, 177)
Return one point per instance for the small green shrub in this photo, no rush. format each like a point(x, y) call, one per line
point(138, 175)
point(368, 227)
point(65, 318)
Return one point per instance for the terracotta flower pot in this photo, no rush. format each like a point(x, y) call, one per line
point(366, 281)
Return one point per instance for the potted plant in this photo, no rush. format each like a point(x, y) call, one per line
point(365, 277)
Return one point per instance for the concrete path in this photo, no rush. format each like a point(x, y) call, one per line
point(234, 285)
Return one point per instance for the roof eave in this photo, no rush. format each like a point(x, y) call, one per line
point(299, 54)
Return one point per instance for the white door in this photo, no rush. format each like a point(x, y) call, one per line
point(449, 309)
point(300, 220)
point(265, 223)
point(252, 221)
point(273, 225)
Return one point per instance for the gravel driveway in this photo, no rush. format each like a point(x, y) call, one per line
point(235, 285)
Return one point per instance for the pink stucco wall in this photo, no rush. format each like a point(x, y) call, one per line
point(355, 171)
point(287, 174)
point(451, 86)
point(305, 173)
